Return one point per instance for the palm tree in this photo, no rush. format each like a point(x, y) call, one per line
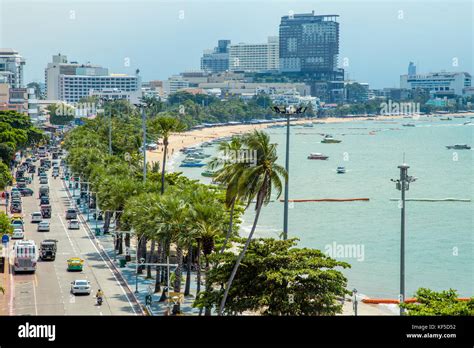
point(257, 182)
point(165, 125)
point(229, 175)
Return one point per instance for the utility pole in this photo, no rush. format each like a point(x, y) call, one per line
point(287, 111)
point(403, 184)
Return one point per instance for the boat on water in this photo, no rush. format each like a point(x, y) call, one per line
point(328, 139)
point(408, 125)
point(341, 170)
point(208, 173)
point(317, 156)
point(192, 164)
point(459, 147)
point(446, 119)
point(308, 125)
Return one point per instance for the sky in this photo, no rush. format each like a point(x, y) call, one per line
point(161, 38)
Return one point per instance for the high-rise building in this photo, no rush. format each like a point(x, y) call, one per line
point(411, 69)
point(217, 59)
point(174, 84)
point(309, 43)
point(254, 57)
point(11, 67)
point(72, 81)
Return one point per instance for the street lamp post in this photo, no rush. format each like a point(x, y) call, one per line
point(355, 301)
point(142, 108)
point(288, 111)
point(403, 184)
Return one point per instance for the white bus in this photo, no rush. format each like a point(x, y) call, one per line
point(25, 256)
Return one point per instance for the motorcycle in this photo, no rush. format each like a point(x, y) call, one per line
point(99, 300)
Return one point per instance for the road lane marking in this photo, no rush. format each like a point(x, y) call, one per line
point(67, 234)
point(34, 297)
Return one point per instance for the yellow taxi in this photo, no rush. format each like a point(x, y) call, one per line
point(75, 264)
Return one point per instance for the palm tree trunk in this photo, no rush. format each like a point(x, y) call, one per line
point(198, 270)
point(107, 217)
point(149, 259)
point(158, 268)
point(242, 254)
point(229, 231)
point(187, 288)
point(178, 273)
point(207, 311)
point(165, 150)
point(142, 251)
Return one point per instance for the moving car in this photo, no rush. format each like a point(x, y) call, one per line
point(75, 264)
point(44, 200)
point(73, 224)
point(25, 191)
point(18, 234)
point(43, 180)
point(43, 226)
point(71, 214)
point(18, 224)
point(81, 286)
point(36, 217)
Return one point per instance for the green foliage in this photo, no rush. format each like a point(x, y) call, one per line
point(446, 302)
point(273, 272)
point(5, 176)
point(16, 132)
point(60, 114)
point(5, 227)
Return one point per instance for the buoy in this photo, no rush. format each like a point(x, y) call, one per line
point(326, 200)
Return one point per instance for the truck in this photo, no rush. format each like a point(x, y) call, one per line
point(25, 256)
point(48, 248)
point(46, 211)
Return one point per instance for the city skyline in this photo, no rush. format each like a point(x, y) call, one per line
point(186, 35)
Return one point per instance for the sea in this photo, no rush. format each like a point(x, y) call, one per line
point(439, 244)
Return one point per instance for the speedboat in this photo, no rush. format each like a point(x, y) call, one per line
point(192, 164)
point(408, 125)
point(341, 170)
point(459, 147)
point(317, 156)
point(328, 139)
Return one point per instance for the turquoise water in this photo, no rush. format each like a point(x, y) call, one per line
point(439, 235)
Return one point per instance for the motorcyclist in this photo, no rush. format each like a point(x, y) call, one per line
point(100, 294)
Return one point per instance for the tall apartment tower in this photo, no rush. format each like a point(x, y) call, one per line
point(217, 59)
point(309, 43)
point(11, 67)
point(411, 69)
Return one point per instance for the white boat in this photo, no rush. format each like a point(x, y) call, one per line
point(317, 156)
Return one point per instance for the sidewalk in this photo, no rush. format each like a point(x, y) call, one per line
point(144, 286)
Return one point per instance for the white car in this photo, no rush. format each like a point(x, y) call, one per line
point(43, 226)
point(36, 217)
point(73, 224)
point(43, 180)
point(18, 234)
point(81, 287)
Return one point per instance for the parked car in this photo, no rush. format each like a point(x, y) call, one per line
point(71, 214)
point(36, 217)
point(73, 224)
point(18, 234)
point(43, 226)
point(80, 286)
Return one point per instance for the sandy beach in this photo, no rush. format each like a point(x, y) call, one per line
point(194, 137)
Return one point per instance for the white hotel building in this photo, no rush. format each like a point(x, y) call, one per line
point(446, 83)
point(70, 82)
point(255, 57)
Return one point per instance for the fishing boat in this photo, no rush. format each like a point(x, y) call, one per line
point(408, 125)
point(192, 164)
point(328, 139)
point(208, 173)
point(341, 170)
point(317, 156)
point(459, 147)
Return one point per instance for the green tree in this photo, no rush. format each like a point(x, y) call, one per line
point(429, 302)
point(5, 224)
point(5, 176)
point(165, 125)
point(278, 279)
point(256, 182)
